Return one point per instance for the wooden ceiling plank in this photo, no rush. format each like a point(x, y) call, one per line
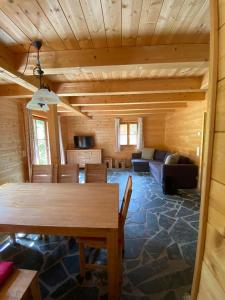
point(72, 61)
point(112, 19)
point(77, 22)
point(121, 87)
point(136, 99)
point(131, 12)
point(36, 15)
point(149, 18)
point(151, 106)
point(93, 15)
point(58, 20)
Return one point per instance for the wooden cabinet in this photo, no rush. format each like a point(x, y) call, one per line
point(82, 157)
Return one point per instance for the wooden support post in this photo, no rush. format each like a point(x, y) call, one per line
point(54, 134)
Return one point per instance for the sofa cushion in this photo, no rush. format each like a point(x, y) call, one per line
point(140, 165)
point(147, 153)
point(159, 155)
point(184, 160)
point(172, 159)
point(156, 169)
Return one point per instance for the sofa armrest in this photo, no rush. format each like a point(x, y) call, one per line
point(183, 175)
point(136, 155)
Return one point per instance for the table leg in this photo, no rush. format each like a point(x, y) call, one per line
point(112, 247)
point(35, 290)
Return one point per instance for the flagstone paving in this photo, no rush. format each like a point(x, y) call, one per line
point(160, 245)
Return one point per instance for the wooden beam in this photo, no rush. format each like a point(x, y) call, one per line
point(8, 71)
point(140, 107)
point(135, 112)
point(136, 99)
point(121, 87)
point(76, 111)
point(124, 58)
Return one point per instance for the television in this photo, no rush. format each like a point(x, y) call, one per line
point(83, 142)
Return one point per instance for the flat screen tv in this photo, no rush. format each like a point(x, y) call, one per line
point(83, 142)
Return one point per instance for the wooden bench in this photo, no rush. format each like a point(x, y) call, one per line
point(21, 285)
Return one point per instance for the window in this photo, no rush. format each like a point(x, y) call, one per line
point(41, 141)
point(128, 134)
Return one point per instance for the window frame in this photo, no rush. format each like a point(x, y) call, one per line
point(128, 133)
point(35, 117)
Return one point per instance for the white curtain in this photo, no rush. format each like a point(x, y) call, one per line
point(117, 135)
point(140, 138)
point(61, 146)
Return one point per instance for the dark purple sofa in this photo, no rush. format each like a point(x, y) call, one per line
point(182, 175)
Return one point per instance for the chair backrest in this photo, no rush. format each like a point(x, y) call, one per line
point(68, 173)
point(125, 202)
point(95, 173)
point(42, 173)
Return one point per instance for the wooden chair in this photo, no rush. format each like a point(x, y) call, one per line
point(21, 285)
point(95, 173)
point(42, 174)
point(68, 173)
point(101, 242)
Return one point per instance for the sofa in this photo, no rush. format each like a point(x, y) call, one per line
point(183, 174)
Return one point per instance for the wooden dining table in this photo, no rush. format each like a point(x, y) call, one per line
point(79, 210)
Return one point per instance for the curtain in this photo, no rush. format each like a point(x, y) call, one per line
point(117, 135)
point(30, 142)
point(61, 146)
point(140, 138)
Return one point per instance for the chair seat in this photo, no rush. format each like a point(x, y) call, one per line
point(19, 285)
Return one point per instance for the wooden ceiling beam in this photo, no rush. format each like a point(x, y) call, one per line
point(136, 99)
point(124, 58)
point(140, 107)
point(76, 111)
point(135, 112)
point(122, 87)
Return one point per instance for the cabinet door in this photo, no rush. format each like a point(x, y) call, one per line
point(96, 157)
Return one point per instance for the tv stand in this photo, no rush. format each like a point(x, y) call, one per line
point(84, 156)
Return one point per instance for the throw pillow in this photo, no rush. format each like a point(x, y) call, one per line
point(172, 159)
point(147, 153)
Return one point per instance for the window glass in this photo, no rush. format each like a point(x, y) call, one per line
point(133, 134)
point(41, 141)
point(123, 134)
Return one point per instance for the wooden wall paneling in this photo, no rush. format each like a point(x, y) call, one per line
point(12, 143)
point(102, 128)
point(210, 258)
point(184, 130)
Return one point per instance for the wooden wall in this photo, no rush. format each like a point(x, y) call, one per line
point(212, 282)
point(11, 142)
point(184, 130)
point(102, 128)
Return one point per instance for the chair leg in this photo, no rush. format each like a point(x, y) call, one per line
point(13, 238)
point(82, 259)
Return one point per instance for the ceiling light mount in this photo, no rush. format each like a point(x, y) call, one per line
point(43, 96)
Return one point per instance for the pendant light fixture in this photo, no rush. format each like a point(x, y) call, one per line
point(43, 96)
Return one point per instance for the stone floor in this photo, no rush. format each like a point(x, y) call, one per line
point(160, 244)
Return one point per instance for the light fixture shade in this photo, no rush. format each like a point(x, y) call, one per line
point(37, 105)
point(45, 95)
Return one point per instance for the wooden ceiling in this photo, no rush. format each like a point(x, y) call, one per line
point(114, 49)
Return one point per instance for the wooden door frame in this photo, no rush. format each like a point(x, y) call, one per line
point(208, 145)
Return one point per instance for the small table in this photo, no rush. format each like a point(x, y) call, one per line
point(80, 210)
